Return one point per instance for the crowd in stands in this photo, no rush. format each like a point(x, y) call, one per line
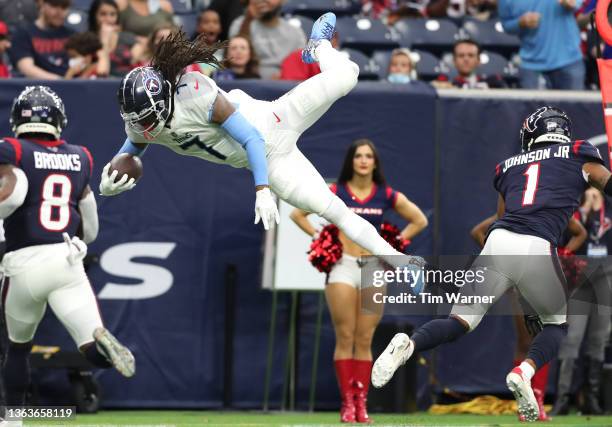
point(475, 44)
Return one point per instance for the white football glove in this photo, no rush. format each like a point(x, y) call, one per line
point(108, 186)
point(77, 249)
point(265, 208)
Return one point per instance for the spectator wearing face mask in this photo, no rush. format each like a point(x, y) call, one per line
point(82, 50)
point(466, 58)
point(401, 67)
point(272, 36)
point(5, 44)
point(37, 49)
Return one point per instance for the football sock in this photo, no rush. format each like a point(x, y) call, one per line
point(330, 59)
point(546, 344)
point(528, 371)
point(436, 332)
point(540, 378)
point(17, 373)
point(361, 232)
point(96, 356)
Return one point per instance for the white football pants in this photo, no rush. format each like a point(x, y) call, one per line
point(39, 274)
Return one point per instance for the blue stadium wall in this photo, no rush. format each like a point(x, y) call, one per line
point(165, 246)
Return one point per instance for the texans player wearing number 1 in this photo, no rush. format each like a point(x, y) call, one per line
point(539, 190)
point(189, 114)
point(46, 201)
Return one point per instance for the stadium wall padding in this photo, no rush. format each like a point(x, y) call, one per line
point(193, 219)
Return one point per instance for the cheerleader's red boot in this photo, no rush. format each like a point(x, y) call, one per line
point(363, 371)
point(344, 373)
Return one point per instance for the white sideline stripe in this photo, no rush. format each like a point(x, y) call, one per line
point(608, 111)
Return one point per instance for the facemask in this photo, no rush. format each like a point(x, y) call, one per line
point(398, 78)
point(79, 61)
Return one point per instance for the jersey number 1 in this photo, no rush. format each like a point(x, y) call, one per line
point(531, 187)
point(54, 211)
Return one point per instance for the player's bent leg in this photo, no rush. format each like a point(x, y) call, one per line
point(428, 336)
point(76, 307)
point(309, 100)
point(16, 372)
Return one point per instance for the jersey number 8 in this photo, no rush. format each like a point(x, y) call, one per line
point(54, 211)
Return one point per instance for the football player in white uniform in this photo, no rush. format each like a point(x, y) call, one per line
point(189, 114)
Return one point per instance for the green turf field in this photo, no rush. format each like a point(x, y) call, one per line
point(212, 418)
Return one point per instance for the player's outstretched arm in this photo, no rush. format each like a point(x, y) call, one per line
point(247, 135)
point(13, 189)
point(109, 184)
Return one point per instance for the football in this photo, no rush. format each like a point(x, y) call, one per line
point(126, 163)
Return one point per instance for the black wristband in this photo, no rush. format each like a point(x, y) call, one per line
point(608, 187)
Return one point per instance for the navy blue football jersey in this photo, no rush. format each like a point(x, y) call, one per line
point(58, 173)
point(542, 188)
point(373, 207)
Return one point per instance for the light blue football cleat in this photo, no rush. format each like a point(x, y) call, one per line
point(323, 29)
point(416, 268)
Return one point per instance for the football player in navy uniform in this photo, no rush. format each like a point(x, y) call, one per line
point(363, 188)
point(539, 190)
point(190, 115)
point(45, 200)
point(574, 237)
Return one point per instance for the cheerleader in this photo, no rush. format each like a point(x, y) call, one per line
point(362, 186)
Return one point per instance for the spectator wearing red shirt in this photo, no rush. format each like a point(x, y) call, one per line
point(5, 44)
point(293, 68)
point(38, 49)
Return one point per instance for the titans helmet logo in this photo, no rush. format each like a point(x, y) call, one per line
point(153, 85)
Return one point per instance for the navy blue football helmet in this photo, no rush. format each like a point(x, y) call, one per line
point(144, 100)
point(38, 109)
point(547, 125)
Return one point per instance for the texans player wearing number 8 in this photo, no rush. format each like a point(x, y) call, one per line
point(539, 190)
point(189, 114)
point(45, 200)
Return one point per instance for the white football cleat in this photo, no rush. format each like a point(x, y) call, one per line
point(119, 355)
point(395, 355)
point(523, 393)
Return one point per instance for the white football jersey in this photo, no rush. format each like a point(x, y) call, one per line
point(190, 131)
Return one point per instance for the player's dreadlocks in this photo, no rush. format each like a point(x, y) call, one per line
point(176, 52)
